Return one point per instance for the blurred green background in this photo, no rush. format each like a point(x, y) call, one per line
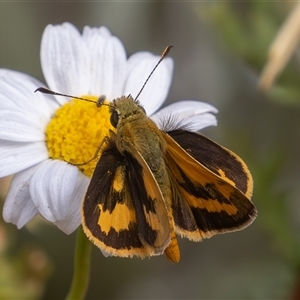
point(220, 50)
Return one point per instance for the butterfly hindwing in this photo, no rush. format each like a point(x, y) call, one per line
point(207, 197)
point(123, 211)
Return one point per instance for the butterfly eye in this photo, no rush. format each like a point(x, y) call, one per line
point(114, 119)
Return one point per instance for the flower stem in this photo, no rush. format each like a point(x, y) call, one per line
point(81, 273)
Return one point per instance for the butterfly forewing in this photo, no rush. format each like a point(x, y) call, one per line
point(216, 158)
point(123, 210)
point(152, 216)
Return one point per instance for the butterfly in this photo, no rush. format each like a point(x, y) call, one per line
point(150, 186)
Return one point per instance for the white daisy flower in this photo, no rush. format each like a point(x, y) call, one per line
point(40, 134)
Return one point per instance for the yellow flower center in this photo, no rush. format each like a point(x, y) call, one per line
point(75, 132)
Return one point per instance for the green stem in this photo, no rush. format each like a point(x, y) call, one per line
point(81, 273)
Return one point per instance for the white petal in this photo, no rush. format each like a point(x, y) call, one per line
point(17, 126)
point(108, 62)
point(18, 207)
point(188, 108)
point(196, 123)
point(65, 61)
point(140, 65)
point(15, 157)
point(73, 219)
point(194, 115)
point(52, 189)
point(17, 93)
point(90, 32)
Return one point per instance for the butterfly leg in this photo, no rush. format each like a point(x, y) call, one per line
point(96, 153)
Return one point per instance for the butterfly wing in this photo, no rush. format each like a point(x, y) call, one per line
point(123, 211)
point(216, 158)
point(211, 186)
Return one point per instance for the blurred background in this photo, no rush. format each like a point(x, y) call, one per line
point(220, 51)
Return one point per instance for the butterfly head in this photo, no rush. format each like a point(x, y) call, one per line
point(125, 108)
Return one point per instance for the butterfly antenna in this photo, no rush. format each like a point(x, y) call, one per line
point(47, 91)
point(102, 98)
point(99, 102)
point(163, 55)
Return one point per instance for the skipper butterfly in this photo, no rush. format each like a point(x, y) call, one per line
point(151, 185)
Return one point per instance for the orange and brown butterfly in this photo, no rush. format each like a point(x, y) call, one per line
point(151, 185)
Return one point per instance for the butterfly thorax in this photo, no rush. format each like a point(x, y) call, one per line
point(135, 131)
